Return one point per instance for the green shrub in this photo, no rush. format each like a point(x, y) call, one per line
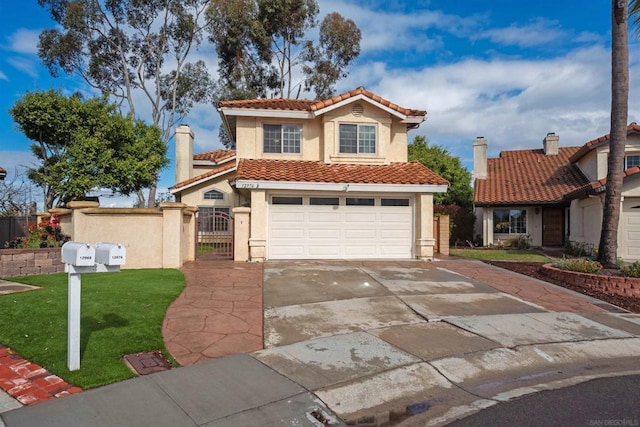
point(580, 265)
point(519, 242)
point(632, 270)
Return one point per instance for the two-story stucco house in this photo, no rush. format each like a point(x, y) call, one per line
point(555, 194)
point(319, 179)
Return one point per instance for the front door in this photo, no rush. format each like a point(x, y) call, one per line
point(552, 226)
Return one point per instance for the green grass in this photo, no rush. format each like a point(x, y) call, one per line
point(500, 255)
point(121, 313)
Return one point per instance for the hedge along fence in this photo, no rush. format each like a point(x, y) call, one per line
point(624, 286)
point(23, 262)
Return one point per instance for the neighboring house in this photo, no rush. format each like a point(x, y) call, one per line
point(323, 179)
point(554, 194)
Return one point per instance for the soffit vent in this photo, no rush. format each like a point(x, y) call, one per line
point(357, 110)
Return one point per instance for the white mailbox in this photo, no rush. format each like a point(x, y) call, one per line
point(78, 254)
point(110, 253)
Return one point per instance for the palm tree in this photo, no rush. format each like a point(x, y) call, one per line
point(607, 251)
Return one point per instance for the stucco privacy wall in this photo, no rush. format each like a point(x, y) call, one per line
point(161, 237)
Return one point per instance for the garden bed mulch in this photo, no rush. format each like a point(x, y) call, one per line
point(532, 269)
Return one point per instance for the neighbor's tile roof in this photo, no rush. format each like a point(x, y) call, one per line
point(604, 139)
point(598, 186)
point(528, 177)
point(215, 156)
point(225, 167)
point(411, 173)
point(310, 106)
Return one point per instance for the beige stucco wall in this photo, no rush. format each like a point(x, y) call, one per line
point(586, 220)
point(425, 242)
point(249, 139)
point(194, 196)
point(594, 164)
point(320, 136)
point(153, 237)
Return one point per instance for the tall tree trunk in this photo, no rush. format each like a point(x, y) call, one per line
point(151, 199)
point(607, 251)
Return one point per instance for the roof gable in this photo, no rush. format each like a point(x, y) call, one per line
point(599, 142)
point(311, 109)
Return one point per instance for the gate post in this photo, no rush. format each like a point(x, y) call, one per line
point(241, 238)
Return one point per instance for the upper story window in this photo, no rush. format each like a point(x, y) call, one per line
point(213, 195)
point(282, 138)
point(631, 161)
point(357, 139)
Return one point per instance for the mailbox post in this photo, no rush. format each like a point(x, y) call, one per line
point(82, 258)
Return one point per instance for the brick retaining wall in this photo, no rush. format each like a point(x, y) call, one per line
point(625, 286)
point(22, 262)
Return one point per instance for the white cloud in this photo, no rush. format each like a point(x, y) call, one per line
point(512, 102)
point(27, 66)
point(24, 40)
point(3, 76)
point(538, 33)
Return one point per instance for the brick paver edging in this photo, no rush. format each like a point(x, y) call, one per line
point(29, 383)
point(624, 286)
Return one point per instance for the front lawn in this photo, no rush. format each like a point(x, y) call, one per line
point(500, 255)
point(121, 313)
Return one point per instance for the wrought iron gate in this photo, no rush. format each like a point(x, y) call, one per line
point(214, 238)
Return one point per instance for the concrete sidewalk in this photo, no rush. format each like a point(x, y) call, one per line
point(368, 342)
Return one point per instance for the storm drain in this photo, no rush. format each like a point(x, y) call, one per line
point(147, 362)
point(391, 418)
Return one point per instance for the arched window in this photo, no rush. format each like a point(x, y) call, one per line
point(213, 195)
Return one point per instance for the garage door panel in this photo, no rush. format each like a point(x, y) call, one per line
point(339, 232)
point(363, 234)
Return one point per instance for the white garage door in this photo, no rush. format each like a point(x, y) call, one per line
point(630, 229)
point(340, 227)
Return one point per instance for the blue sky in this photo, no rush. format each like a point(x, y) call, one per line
point(492, 68)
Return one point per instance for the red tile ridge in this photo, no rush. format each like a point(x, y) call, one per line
point(226, 167)
point(594, 143)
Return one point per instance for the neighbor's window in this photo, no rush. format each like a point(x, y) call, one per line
point(213, 195)
point(510, 221)
point(281, 138)
point(357, 139)
point(631, 161)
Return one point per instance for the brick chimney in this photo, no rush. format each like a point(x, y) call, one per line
point(550, 143)
point(184, 153)
point(480, 158)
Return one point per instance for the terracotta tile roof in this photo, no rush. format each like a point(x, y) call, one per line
point(311, 171)
point(215, 156)
point(528, 177)
point(604, 139)
point(225, 167)
point(311, 106)
point(598, 186)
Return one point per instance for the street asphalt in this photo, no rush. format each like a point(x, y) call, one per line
point(372, 345)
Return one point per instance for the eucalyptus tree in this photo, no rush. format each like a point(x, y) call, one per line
point(135, 51)
point(264, 50)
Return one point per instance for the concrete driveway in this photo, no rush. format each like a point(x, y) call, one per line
point(416, 343)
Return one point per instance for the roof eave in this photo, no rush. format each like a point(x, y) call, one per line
point(346, 187)
point(175, 190)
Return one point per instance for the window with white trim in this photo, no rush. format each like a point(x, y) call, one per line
point(281, 138)
point(510, 221)
point(357, 139)
point(213, 195)
point(631, 161)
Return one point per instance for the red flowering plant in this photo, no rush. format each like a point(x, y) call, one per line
point(46, 234)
